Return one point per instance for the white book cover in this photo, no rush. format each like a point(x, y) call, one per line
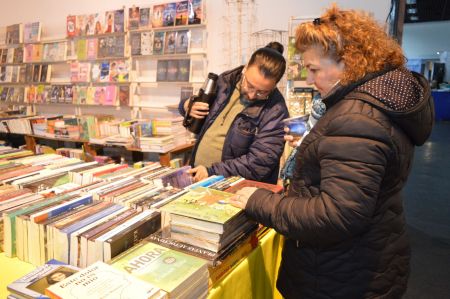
point(103, 281)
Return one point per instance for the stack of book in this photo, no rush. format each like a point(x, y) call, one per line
point(179, 274)
point(204, 218)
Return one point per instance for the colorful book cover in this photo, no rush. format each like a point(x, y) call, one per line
point(104, 72)
point(169, 44)
point(144, 17)
point(161, 70)
point(182, 13)
point(81, 49)
point(95, 72)
point(100, 280)
point(147, 43)
point(158, 42)
point(81, 25)
point(169, 14)
point(18, 55)
point(14, 34)
point(167, 269)
point(133, 18)
point(123, 70)
point(28, 55)
point(172, 70)
point(135, 43)
point(182, 42)
point(92, 48)
point(33, 284)
point(32, 32)
point(37, 52)
point(109, 24)
point(99, 23)
point(89, 28)
point(124, 95)
point(157, 15)
point(183, 70)
point(102, 48)
point(119, 20)
point(195, 12)
point(119, 46)
point(110, 96)
point(204, 204)
point(71, 25)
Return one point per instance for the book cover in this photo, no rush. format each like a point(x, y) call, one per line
point(118, 46)
point(124, 95)
point(119, 20)
point(102, 47)
point(183, 70)
point(135, 43)
point(18, 55)
point(204, 204)
point(144, 17)
point(32, 32)
point(99, 23)
point(167, 269)
point(161, 70)
point(92, 48)
point(157, 15)
point(147, 43)
point(195, 12)
point(169, 14)
point(181, 13)
point(109, 24)
point(103, 281)
point(169, 44)
point(81, 25)
point(182, 42)
point(110, 95)
point(158, 42)
point(95, 72)
point(14, 34)
point(89, 28)
point(172, 70)
point(104, 71)
point(33, 284)
point(71, 25)
point(123, 71)
point(133, 18)
point(81, 49)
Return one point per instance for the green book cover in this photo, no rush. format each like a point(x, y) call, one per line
point(165, 268)
point(204, 204)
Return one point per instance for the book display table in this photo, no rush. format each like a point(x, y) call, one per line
point(253, 277)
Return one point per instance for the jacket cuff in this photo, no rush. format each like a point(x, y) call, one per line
point(210, 171)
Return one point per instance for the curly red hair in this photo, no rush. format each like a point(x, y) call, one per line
point(352, 37)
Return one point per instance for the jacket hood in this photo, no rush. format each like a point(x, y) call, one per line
point(403, 95)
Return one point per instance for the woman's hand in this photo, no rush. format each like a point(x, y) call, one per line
point(198, 173)
point(241, 198)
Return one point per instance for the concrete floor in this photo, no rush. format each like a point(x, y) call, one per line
point(427, 205)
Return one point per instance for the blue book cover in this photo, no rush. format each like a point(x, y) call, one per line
point(33, 284)
point(62, 208)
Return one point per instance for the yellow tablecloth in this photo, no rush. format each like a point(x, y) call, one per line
point(253, 277)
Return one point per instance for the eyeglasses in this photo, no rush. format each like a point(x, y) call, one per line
point(259, 94)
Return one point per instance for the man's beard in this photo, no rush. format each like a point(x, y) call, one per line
point(244, 100)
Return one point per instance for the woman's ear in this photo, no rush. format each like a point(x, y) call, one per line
point(341, 65)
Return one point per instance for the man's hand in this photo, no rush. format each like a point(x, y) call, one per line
point(199, 109)
point(241, 198)
point(293, 141)
point(199, 173)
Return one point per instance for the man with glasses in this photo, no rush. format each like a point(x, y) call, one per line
point(243, 131)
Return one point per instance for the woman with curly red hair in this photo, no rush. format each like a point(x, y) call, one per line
point(342, 215)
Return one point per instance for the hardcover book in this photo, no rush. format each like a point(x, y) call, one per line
point(182, 13)
point(119, 20)
point(182, 42)
point(183, 70)
point(71, 22)
point(133, 18)
point(103, 281)
point(169, 14)
point(161, 70)
point(147, 43)
point(144, 17)
point(32, 32)
point(157, 15)
point(109, 25)
point(158, 42)
point(195, 12)
point(169, 44)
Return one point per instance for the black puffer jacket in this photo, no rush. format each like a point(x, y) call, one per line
point(254, 143)
point(343, 214)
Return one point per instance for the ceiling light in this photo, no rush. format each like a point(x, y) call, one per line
point(414, 18)
point(412, 11)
